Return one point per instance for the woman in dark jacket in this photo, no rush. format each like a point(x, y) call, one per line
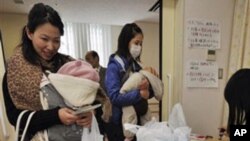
point(126, 60)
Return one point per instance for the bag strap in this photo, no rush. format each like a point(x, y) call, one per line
point(120, 61)
point(26, 125)
point(126, 72)
point(18, 123)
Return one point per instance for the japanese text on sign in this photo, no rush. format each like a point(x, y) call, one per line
point(201, 74)
point(203, 34)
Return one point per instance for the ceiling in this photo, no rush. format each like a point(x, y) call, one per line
point(112, 12)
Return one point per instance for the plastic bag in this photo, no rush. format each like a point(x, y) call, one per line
point(155, 131)
point(92, 134)
point(176, 118)
point(160, 131)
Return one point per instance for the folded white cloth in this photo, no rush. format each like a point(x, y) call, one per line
point(135, 79)
point(76, 91)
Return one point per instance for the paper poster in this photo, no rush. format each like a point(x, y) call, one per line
point(202, 34)
point(201, 74)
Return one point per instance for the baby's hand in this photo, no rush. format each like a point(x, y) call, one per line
point(151, 70)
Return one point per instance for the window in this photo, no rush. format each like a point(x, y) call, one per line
point(80, 37)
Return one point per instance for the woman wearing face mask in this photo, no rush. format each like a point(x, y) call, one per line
point(126, 60)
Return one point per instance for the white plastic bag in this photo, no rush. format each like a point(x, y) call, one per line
point(176, 118)
point(160, 131)
point(155, 131)
point(94, 133)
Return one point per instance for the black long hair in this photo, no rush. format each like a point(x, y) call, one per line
point(237, 95)
point(128, 32)
point(38, 15)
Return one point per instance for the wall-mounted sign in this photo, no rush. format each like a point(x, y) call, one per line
point(201, 74)
point(202, 34)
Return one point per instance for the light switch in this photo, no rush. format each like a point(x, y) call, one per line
point(211, 55)
point(220, 73)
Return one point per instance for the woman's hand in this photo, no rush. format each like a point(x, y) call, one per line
point(84, 119)
point(151, 70)
point(144, 94)
point(66, 116)
point(143, 86)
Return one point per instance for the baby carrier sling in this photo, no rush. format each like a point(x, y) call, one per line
point(50, 98)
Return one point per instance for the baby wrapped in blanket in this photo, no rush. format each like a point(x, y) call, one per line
point(129, 114)
point(75, 85)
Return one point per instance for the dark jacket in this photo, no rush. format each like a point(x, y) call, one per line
point(102, 74)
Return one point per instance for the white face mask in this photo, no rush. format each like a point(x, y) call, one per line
point(135, 50)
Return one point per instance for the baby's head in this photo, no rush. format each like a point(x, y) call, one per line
point(77, 82)
point(80, 69)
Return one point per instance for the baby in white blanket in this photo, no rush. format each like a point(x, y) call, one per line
point(78, 83)
point(134, 80)
point(75, 85)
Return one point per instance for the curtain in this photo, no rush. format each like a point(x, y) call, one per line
point(81, 37)
point(240, 44)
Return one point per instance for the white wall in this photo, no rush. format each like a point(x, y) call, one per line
point(168, 46)
point(150, 51)
point(11, 26)
point(115, 31)
point(8, 128)
point(203, 106)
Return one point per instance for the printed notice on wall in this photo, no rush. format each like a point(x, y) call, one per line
point(201, 74)
point(202, 34)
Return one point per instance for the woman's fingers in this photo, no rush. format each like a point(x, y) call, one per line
point(84, 119)
point(66, 116)
point(144, 94)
